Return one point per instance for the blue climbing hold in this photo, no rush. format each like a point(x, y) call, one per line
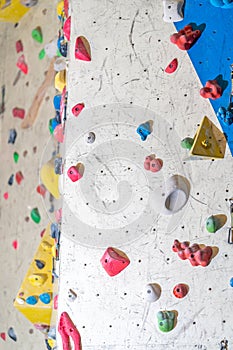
point(32, 300)
point(54, 123)
point(45, 298)
point(62, 46)
point(226, 115)
point(11, 180)
point(40, 264)
point(224, 4)
point(54, 230)
point(57, 102)
point(231, 282)
point(144, 130)
point(58, 117)
point(12, 136)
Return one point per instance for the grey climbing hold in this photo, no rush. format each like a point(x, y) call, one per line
point(58, 165)
point(11, 334)
point(90, 138)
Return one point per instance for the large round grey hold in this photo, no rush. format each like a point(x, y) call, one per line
point(90, 138)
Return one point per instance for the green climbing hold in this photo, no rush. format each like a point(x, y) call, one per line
point(35, 215)
point(166, 320)
point(187, 143)
point(16, 157)
point(211, 224)
point(37, 35)
point(50, 126)
point(41, 54)
point(59, 53)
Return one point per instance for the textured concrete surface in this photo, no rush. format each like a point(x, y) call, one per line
point(130, 49)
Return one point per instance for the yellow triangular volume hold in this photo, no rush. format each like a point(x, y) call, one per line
point(209, 141)
point(34, 298)
point(50, 179)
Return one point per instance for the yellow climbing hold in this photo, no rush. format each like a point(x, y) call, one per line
point(60, 80)
point(50, 178)
point(60, 7)
point(209, 141)
point(37, 282)
point(37, 279)
point(46, 246)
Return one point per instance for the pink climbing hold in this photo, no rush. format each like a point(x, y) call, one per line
point(22, 65)
point(185, 38)
point(3, 336)
point(19, 46)
point(172, 67)
point(18, 112)
point(41, 190)
point(55, 302)
point(66, 28)
point(211, 90)
point(67, 329)
point(58, 215)
point(77, 109)
point(63, 103)
point(75, 173)
point(114, 261)
point(156, 165)
point(15, 244)
point(82, 49)
point(153, 164)
point(6, 195)
point(59, 133)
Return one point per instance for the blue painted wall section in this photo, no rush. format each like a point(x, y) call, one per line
point(212, 54)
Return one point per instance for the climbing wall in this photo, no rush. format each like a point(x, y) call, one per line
point(112, 205)
point(20, 235)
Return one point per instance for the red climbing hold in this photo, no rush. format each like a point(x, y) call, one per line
point(22, 65)
point(42, 233)
point(172, 66)
point(19, 177)
point(3, 336)
point(180, 290)
point(19, 46)
point(18, 112)
point(114, 261)
point(41, 190)
point(77, 109)
point(66, 7)
point(15, 244)
point(82, 49)
point(185, 38)
point(67, 329)
point(211, 90)
point(66, 28)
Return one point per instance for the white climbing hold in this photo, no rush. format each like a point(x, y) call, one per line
point(173, 10)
